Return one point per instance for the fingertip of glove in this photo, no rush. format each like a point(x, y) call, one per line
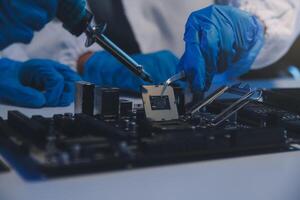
point(28, 97)
point(67, 99)
point(38, 103)
point(62, 103)
point(34, 100)
point(66, 103)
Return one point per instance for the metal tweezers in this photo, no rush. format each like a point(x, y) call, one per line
point(176, 77)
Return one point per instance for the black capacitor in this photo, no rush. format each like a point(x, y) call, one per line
point(107, 102)
point(259, 115)
point(125, 108)
point(84, 100)
point(293, 126)
point(180, 100)
point(140, 115)
point(27, 127)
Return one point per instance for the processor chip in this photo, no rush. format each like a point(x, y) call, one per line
point(160, 103)
point(157, 107)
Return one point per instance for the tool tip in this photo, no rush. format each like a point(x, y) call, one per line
point(148, 79)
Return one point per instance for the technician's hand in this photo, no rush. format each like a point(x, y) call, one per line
point(104, 70)
point(219, 39)
point(36, 83)
point(19, 18)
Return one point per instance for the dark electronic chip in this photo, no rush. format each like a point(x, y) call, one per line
point(160, 103)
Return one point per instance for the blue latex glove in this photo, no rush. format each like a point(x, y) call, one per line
point(19, 18)
point(104, 70)
point(71, 12)
point(36, 83)
point(219, 39)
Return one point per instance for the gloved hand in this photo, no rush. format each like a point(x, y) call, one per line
point(19, 18)
point(219, 39)
point(36, 83)
point(104, 70)
point(71, 13)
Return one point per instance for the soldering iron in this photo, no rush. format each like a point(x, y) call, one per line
point(77, 20)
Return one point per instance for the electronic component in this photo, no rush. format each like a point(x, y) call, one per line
point(159, 107)
point(126, 108)
point(288, 99)
point(107, 102)
point(84, 100)
point(180, 100)
point(160, 102)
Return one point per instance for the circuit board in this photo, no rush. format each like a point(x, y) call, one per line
point(127, 139)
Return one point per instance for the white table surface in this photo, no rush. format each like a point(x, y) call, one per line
point(263, 177)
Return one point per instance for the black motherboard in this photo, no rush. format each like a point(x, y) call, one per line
point(125, 138)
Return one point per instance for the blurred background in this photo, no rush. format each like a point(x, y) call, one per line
point(287, 67)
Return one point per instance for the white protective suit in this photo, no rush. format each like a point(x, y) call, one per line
point(159, 24)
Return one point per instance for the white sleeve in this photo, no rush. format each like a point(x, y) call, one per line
point(15, 52)
point(282, 21)
point(55, 43)
point(72, 48)
point(159, 24)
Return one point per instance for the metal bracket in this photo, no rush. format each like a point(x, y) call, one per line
point(246, 93)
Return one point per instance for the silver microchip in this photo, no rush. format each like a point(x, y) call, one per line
point(157, 107)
